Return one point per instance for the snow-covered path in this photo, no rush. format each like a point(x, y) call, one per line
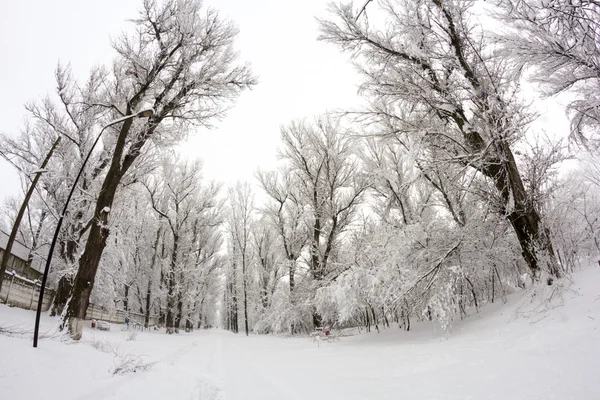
point(491, 355)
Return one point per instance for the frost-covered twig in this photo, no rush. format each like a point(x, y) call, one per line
point(132, 336)
point(18, 331)
point(128, 362)
point(542, 299)
point(13, 330)
point(124, 363)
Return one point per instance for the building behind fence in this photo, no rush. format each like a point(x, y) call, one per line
point(22, 260)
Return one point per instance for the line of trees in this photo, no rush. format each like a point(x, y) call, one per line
point(433, 200)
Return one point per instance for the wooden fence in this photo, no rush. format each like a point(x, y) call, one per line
point(23, 293)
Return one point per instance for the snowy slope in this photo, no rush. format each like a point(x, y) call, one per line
point(515, 351)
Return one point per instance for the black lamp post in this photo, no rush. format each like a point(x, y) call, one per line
point(140, 114)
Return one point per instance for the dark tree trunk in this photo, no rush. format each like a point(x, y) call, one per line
point(292, 273)
point(234, 312)
point(96, 242)
point(501, 166)
point(179, 314)
point(232, 309)
point(162, 317)
point(126, 298)
point(68, 253)
point(161, 311)
point(170, 322)
point(234, 300)
point(264, 289)
point(317, 319)
point(264, 296)
point(200, 316)
point(245, 286)
point(472, 292)
point(65, 284)
point(315, 264)
point(89, 262)
point(147, 313)
point(171, 287)
point(228, 307)
point(534, 239)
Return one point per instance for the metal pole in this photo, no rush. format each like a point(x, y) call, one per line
point(58, 226)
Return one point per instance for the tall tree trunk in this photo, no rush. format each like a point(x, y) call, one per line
point(96, 243)
point(171, 287)
point(536, 246)
point(149, 291)
point(90, 260)
point(264, 292)
point(234, 304)
point(315, 264)
point(245, 292)
point(292, 271)
point(126, 298)
point(179, 316)
point(264, 283)
point(61, 296)
point(227, 307)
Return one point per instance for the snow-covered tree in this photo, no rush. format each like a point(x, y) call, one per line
point(192, 215)
point(432, 80)
point(181, 62)
point(240, 221)
point(558, 39)
point(314, 201)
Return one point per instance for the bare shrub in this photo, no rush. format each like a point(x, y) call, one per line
point(123, 362)
point(126, 363)
point(13, 330)
point(19, 331)
point(132, 336)
point(103, 345)
point(541, 300)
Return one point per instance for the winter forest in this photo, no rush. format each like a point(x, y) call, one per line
point(437, 198)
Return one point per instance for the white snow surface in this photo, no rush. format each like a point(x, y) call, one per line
point(520, 350)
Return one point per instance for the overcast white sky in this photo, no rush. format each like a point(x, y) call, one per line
point(299, 77)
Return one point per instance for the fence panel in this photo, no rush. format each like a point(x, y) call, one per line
point(23, 293)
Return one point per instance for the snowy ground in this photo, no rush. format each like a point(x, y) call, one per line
point(515, 351)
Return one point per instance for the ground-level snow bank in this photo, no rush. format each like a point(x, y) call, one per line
point(514, 351)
